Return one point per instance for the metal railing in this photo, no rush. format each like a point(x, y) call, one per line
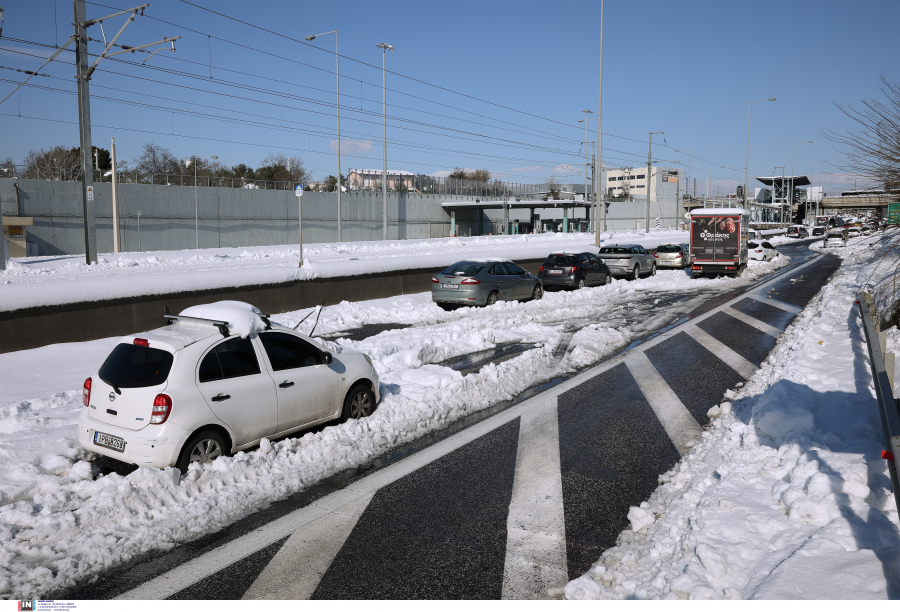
point(889, 407)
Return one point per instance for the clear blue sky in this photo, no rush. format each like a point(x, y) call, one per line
point(686, 68)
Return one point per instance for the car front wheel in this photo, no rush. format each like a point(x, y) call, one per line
point(203, 447)
point(653, 270)
point(359, 403)
point(538, 292)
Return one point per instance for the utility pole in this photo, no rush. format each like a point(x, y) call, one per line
point(84, 130)
point(649, 167)
point(115, 198)
point(599, 207)
point(384, 48)
point(586, 113)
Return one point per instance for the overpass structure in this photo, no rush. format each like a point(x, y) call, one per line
point(519, 227)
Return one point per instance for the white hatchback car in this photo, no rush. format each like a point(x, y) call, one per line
point(196, 389)
point(762, 251)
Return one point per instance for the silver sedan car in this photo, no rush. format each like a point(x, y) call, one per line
point(482, 283)
point(628, 260)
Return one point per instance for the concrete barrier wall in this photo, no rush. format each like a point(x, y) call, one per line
point(35, 327)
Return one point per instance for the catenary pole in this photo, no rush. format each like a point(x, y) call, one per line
point(747, 167)
point(84, 130)
point(598, 180)
point(384, 219)
point(115, 196)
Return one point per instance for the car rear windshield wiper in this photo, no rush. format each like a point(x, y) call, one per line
point(113, 385)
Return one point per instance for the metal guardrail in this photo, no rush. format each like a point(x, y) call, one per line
point(884, 391)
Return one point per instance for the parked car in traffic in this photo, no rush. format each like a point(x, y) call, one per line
point(835, 237)
point(853, 232)
point(762, 251)
point(574, 271)
point(672, 255)
point(628, 260)
point(797, 231)
point(483, 283)
point(195, 390)
point(818, 231)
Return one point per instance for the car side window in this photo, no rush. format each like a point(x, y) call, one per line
point(498, 269)
point(593, 259)
point(287, 352)
point(581, 259)
point(514, 269)
point(235, 357)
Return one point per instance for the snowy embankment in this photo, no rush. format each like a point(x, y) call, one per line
point(46, 281)
point(786, 496)
point(61, 521)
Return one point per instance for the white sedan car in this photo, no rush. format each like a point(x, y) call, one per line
point(200, 388)
point(762, 251)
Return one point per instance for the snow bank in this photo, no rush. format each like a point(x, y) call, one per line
point(786, 495)
point(42, 281)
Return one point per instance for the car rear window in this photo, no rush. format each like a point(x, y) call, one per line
point(464, 269)
point(616, 250)
point(130, 366)
point(668, 248)
point(752, 245)
point(560, 260)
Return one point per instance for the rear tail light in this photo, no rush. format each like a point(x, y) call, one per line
point(141, 342)
point(86, 393)
point(471, 281)
point(542, 268)
point(162, 407)
point(434, 279)
point(572, 269)
point(759, 250)
point(656, 256)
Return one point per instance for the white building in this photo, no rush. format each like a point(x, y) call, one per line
point(663, 182)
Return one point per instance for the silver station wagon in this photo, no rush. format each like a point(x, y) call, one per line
point(628, 260)
point(482, 283)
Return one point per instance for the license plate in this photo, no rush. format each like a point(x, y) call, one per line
point(554, 271)
point(110, 442)
point(449, 286)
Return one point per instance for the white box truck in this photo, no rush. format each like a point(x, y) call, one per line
point(719, 241)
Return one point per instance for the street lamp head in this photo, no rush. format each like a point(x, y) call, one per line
point(313, 37)
point(214, 157)
point(770, 100)
point(385, 47)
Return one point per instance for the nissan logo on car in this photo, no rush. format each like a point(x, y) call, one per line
point(112, 396)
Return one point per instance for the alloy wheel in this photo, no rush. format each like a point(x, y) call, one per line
point(361, 405)
point(206, 451)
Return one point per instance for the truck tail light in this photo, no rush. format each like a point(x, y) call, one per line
point(434, 279)
point(162, 407)
point(731, 267)
point(697, 267)
point(86, 393)
point(471, 281)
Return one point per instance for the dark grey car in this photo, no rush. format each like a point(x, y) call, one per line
point(482, 283)
point(628, 260)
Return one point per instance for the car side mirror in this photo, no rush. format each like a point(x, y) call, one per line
point(327, 358)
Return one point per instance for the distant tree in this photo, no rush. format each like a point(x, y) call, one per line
point(330, 182)
point(458, 173)
point(158, 161)
point(280, 167)
point(8, 168)
point(57, 163)
point(480, 175)
point(103, 159)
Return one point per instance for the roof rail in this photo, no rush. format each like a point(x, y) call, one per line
point(221, 325)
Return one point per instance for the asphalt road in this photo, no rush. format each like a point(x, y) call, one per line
point(513, 501)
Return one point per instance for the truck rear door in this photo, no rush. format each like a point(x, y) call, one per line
point(715, 238)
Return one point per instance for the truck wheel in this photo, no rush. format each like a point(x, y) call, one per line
point(636, 272)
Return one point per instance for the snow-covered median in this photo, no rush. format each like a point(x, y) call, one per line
point(786, 495)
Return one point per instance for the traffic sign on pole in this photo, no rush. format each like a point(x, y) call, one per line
point(298, 191)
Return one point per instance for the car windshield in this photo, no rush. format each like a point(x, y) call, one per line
point(560, 260)
point(130, 366)
point(616, 250)
point(464, 268)
point(668, 248)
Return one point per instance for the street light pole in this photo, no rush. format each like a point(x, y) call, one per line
point(598, 180)
point(585, 120)
point(384, 48)
point(812, 171)
point(337, 69)
point(747, 167)
point(649, 166)
point(794, 157)
point(187, 162)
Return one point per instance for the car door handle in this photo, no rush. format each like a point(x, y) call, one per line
point(286, 384)
point(221, 397)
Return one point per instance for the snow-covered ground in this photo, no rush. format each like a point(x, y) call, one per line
point(61, 521)
point(44, 281)
point(786, 496)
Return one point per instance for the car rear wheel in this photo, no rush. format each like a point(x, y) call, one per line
point(607, 279)
point(203, 447)
point(359, 403)
point(492, 298)
point(580, 283)
point(653, 269)
point(538, 292)
point(635, 272)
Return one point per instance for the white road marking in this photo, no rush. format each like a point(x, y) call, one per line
point(737, 363)
point(773, 302)
point(680, 425)
point(753, 322)
point(536, 529)
point(298, 567)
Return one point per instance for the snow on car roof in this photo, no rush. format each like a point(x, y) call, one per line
point(720, 211)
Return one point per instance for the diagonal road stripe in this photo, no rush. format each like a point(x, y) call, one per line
point(773, 302)
point(680, 425)
point(753, 322)
point(725, 354)
point(536, 531)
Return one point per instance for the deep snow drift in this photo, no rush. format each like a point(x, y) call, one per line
point(786, 496)
point(43, 281)
point(61, 521)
